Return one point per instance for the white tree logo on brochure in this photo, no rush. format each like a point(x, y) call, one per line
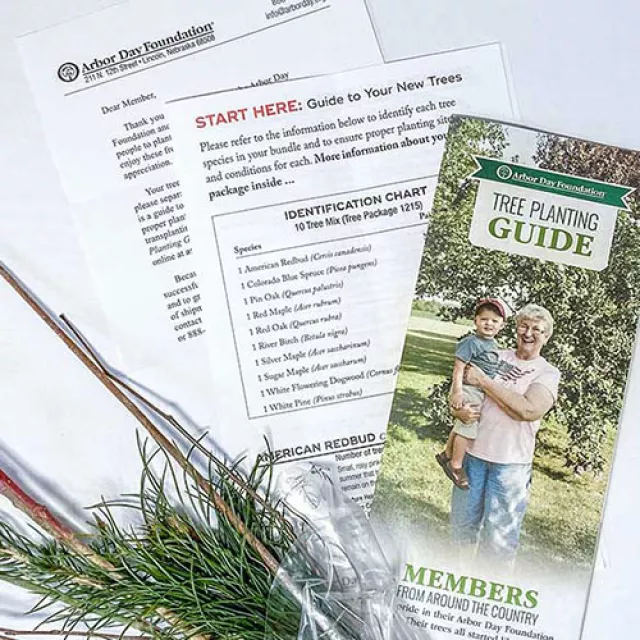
point(504, 172)
point(68, 72)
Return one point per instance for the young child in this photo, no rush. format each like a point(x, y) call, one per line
point(480, 350)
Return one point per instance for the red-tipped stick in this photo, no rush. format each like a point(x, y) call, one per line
point(220, 504)
point(39, 514)
point(45, 519)
point(42, 516)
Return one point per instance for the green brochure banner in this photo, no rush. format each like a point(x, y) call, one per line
point(611, 195)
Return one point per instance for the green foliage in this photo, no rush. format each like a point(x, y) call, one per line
point(595, 312)
point(426, 308)
point(436, 407)
point(186, 558)
point(451, 267)
point(598, 309)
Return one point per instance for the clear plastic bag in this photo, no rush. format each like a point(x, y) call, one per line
point(336, 573)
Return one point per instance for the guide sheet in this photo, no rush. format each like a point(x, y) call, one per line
point(492, 485)
point(309, 206)
point(100, 83)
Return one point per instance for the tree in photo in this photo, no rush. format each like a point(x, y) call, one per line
point(595, 311)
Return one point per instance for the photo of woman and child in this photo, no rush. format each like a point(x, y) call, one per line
point(498, 398)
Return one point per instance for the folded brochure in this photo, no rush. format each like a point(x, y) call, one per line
point(512, 382)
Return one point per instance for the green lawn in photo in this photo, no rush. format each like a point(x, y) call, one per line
point(563, 517)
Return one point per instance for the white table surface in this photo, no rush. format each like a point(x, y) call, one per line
point(574, 70)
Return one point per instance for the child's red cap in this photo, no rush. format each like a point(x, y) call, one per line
point(498, 305)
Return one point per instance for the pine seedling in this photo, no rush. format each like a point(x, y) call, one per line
point(186, 558)
point(242, 542)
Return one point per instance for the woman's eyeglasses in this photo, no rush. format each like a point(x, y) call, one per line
point(535, 329)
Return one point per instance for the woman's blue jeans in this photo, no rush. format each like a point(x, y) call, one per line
point(492, 509)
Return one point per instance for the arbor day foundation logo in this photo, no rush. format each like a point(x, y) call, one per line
point(68, 72)
point(504, 172)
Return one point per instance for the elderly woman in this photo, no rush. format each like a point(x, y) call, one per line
point(499, 462)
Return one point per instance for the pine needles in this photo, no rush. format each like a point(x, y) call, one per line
point(186, 558)
point(205, 562)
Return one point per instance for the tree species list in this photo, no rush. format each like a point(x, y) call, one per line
point(298, 324)
point(309, 298)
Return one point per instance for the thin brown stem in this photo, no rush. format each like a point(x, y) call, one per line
point(171, 420)
point(220, 504)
